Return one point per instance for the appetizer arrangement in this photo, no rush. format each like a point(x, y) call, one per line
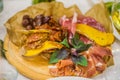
point(70, 43)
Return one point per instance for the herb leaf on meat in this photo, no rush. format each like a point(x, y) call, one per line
point(58, 55)
point(53, 58)
point(78, 44)
point(65, 43)
point(83, 48)
point(80, 60)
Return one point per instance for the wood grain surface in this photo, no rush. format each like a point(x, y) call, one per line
point(35, 68)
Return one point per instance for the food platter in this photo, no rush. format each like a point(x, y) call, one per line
point(26, 69)
point(104, 76)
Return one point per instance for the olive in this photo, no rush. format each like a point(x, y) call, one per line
point(29, 27)
point(25, 22)
point(39, 22)
point(46, 19)
point(39, 16)
point(26, 17)
point(30, 23)
point(31, 20)
point(34, 24)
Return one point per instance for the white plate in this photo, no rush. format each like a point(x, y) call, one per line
point(69, 78)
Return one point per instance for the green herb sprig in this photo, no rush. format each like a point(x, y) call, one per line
point(58, 55)
point(72, 50)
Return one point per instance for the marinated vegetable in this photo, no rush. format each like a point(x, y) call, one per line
point(47, 45)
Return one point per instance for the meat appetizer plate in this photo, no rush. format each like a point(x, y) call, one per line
point(48, 40)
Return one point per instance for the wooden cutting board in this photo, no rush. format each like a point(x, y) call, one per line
point(35, 68)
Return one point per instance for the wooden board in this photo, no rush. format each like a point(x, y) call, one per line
point(35, 68)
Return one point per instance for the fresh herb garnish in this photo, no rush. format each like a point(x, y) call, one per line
point(80, 60)
point(65, 42)
point(2, 50)
point(53, 58)
point(58, 55)
point(73, 48)
point(76, 43)
point(83, 47)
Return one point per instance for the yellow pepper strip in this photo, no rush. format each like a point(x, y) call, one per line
point(101, 38)
point(47, 45)
point(36, 31)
